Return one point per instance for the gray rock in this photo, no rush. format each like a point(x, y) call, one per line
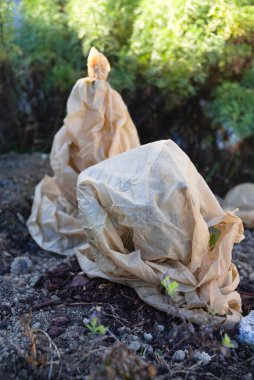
point(21, 265)
point(246, 330)
point(248, 376)
point(251, 277)
point(148, 350)
point(121, 329)
point(179, 356)
point(36, 325)
point(202, 357)
point(55, 298)
point(148, 337)
point(159, 328)
point(34, 279)
point(134, 346)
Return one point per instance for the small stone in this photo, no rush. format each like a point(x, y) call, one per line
point(134, 337)
point(134, 346)
point(160, 328)
point(121, 329)
point(34, 279)
point(251, 277)
point(148, 337)
point(246, 331)
point(21, 265)
point(252, 363)
point(248, 376)
point(55, 298)
point(55, 331)
point(149, 349)
point(179, 356)
point(202, 357)
point(36, 325)
point(59, 321)
point(22, 374)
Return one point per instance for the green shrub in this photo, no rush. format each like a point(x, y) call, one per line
point(174, 56)
point(107, 25)
point(50, 50)
point(231, 107)
point(180, 42)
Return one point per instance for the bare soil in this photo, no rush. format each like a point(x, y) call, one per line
point(42, 333)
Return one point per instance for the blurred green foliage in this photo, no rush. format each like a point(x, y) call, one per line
point(191, 60)
point(49, 49)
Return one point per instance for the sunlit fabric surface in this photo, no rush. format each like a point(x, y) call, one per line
point(97, 126)
point(147, 213)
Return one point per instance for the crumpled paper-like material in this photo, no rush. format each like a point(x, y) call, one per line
point(241, 197)
point(147, 213)
point(97, 126)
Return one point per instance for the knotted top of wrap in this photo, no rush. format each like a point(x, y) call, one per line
point(98, 66)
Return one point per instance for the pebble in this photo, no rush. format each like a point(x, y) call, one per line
point(134, 346)
point(36, 325)
point(34, 279)
point(251, 277)
point(148, 350)
point(179, 356)
point(21, 265)
point(55, 298)
point(246, 331)
point(55, 331)
point(252, 363)
point(148, 337)
point(60, 321)
point(202, 357)
point(248, 376)
point(8, 304)
point(160, 328)
point(121, 329)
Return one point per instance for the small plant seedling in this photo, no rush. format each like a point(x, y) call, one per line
point(170, 286)
point(226, 341)
point(93, 325)
point(214, 237)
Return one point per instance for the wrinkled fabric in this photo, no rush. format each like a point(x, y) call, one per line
point(97, 126)
point(241, 197)
point(147, 213)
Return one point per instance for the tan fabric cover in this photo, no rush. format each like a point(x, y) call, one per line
point(241, 197)
point(97, 126)
point(146, 213)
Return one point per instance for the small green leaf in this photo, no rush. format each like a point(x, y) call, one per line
point(214, 236)
point(226, 341)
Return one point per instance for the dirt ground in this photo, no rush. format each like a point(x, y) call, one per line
point(42, 310)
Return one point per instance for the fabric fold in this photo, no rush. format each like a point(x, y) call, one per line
point(97, 126)
point(147, 213)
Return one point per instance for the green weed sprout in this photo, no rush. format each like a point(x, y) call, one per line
point(93, 325)
point(169, 286)
point(226, 341)
point(214, 237)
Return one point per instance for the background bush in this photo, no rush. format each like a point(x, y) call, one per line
point(184, 67)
